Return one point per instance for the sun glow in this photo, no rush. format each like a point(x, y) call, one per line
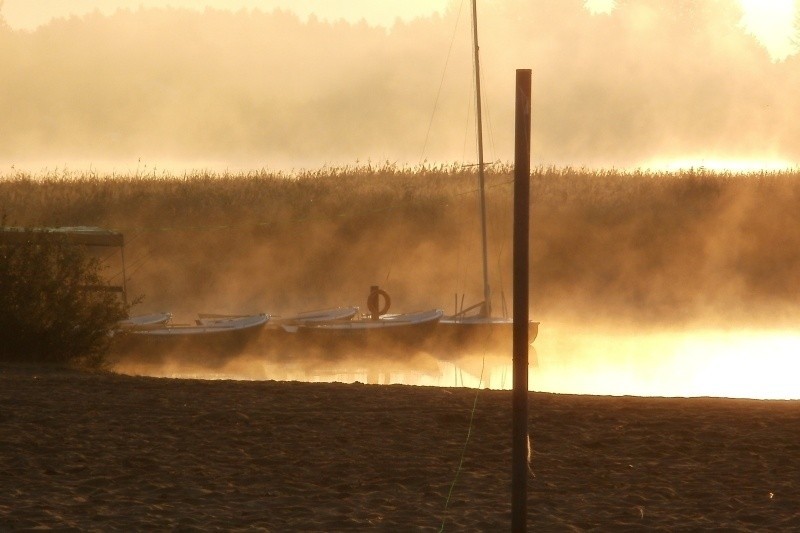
point(600, 7)
point(729, 364)
point(772, 22)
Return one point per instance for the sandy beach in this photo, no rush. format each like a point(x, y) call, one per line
point(106, 451)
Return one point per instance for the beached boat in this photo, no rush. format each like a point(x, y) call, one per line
point(476, 327)
point(381, 334)
point(211, 342)
point(476, 333)
point(141, 322)
point(229, 326)
point(320, 316)
point(334, 314)
point(340, 331)
point(222, 321)
point(278, 338)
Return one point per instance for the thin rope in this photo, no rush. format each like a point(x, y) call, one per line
point(466, 442)
point(486, 108)
point(441, 83)
point(139, 263)
point(468, 122)
point(461, 278)
point(112, 254)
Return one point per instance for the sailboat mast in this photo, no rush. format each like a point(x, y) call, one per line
point(487, 293)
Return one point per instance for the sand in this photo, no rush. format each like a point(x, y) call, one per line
point(105, 451)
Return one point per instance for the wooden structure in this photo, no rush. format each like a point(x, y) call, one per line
point(77, 235)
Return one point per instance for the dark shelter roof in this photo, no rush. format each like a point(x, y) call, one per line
point(83, 235)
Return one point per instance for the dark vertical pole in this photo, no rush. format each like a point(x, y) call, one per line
point(124, 275)
point(522, 178)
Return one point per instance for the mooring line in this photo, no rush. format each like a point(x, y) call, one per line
point(466, 442)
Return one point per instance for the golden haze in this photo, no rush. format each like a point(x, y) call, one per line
point(649, 81)
point(646, 283)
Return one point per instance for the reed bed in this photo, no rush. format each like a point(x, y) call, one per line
point(647, 246)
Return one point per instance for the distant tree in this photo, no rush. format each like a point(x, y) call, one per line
point(48, 309)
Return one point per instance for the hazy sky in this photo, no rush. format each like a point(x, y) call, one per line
point(772, 21)
point(31, 13)
point(616, 83)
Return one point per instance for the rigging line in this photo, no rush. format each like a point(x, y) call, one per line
point(137, 263)
point(144, 260)
point(466, 442)
point(487, 113)
point(441, 83)
point(471, 105)
point(109, 256)
point(467, 124)
point(462, 277)
point(121, 271)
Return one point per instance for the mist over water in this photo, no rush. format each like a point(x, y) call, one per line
point(710, 263)
point(644, 284)
point(645, 84)
point(568, 358)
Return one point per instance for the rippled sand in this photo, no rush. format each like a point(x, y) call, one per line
point(104, 451)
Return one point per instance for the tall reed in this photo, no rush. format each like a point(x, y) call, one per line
point(646, 246)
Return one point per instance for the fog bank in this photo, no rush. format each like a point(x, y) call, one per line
point(650, 81)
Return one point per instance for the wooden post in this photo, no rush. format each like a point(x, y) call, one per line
point(124, 275)
point(522, 178)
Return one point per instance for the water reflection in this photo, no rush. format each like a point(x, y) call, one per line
point(566, 359)
point(734, 363)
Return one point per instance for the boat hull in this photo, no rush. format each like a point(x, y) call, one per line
point(206, 344)
point(459, 336)
point(141, 322)
point(384, 336)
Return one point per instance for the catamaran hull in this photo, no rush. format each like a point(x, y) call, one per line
point(456, 337)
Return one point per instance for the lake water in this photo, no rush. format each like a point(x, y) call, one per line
point(762, 364)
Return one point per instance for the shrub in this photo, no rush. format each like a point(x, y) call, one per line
point(49, 311)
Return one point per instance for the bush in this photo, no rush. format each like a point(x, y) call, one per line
point(48, 311)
